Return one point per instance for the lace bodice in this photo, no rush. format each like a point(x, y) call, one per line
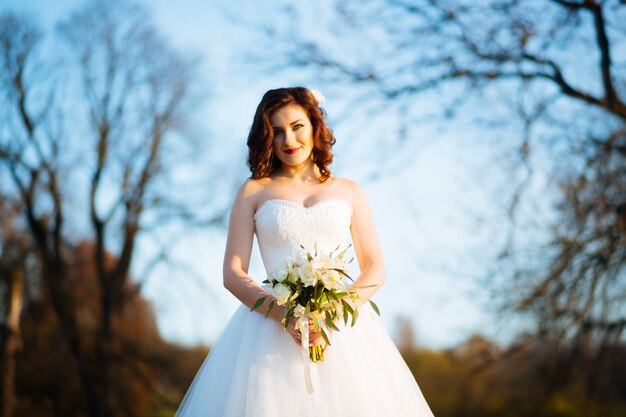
point(282, 226)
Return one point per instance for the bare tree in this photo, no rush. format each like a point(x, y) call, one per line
point(551, 69)
point(114, 115)
point(14, 256)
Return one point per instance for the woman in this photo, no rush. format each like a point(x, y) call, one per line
point(291, 199)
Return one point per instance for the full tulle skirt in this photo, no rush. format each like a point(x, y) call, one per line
point(255, 369)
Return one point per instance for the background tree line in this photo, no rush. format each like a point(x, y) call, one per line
point(92, 132)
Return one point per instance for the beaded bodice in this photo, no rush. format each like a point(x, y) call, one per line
point(282, 226)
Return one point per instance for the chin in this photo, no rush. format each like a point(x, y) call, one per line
point(296, 162)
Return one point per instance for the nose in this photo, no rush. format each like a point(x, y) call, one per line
point(290, 137)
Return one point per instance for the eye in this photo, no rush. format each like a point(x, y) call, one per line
point(298, 126)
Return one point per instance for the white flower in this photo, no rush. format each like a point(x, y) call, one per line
point(294, 275)
point(332, 280)
point(308, 274)
point(298, 311)
point(281, 272)
point(282, 293)
point(317, 94)
point(326, 261)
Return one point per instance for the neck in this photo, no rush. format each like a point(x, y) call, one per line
point(305, 173)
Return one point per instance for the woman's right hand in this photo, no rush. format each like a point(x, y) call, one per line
point(315, 337)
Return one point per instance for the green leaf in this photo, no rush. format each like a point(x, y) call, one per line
point(345, 313)
point(258, 303)
point(325, 336)
point(330, 324)
point(355, 316)
point(342, 272)
point(347, 306)
point(375, 307)
point(316, 292)
point(329, 321)
point(343, 252)
point(323, 297)
point(270, 307)
point(367, 286)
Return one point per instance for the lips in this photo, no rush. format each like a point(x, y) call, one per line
point(291, 151)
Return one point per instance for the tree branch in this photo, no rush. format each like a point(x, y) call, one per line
point(605, 54)
point(557, 77)
point(571, 5)
point(613, 102)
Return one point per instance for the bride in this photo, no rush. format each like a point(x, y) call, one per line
point(255, 368)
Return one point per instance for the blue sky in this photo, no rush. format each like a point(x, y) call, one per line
point(435, 214)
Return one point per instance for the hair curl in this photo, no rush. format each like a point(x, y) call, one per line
point(262, 160)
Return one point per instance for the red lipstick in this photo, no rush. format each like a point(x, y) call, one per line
point(291, 151)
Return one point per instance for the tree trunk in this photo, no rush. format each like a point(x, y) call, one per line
point(104, 347)
point(10, 342)
point(69, 328)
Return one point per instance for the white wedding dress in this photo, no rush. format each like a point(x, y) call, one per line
point(255, 369)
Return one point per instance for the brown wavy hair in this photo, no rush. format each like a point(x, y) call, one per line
point(261, 158)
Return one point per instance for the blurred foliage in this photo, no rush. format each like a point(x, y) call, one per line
point(94, 125)
point(149, 373)
point(478, 378)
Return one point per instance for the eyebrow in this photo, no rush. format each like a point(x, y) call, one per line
point(290, 124)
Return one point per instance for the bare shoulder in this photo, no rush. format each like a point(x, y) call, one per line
point(351, 191)
point(248, 193)
point(249, 187)
point(348, 187)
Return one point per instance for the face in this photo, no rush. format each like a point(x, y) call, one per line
point(293, 135)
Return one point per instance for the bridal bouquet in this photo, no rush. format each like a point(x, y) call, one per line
point(314, 287)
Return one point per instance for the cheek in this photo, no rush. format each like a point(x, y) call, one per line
point(307, 137)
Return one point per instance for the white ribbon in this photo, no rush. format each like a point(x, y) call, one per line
point(303, 326)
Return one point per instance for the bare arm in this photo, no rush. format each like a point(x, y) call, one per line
point(237, 261)
point(366, 247)
point(238, 251)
